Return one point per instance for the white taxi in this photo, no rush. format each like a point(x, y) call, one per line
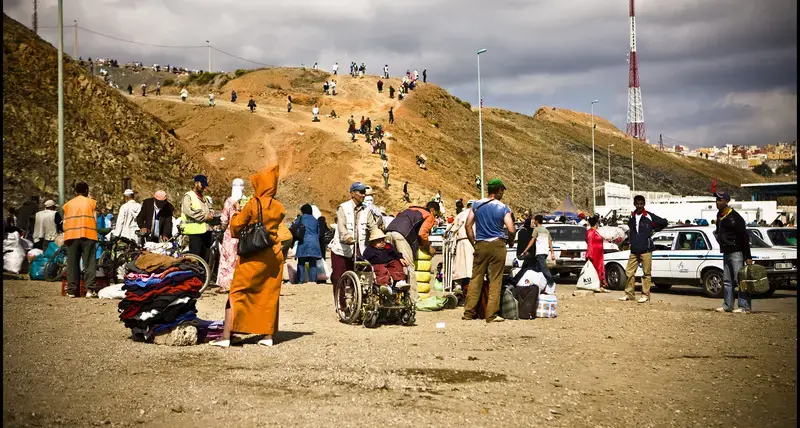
point(691, 256)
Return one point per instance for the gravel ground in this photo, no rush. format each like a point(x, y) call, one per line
point(601, 363)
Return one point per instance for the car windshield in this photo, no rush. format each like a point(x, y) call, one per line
point(783, 237)
point(755, 241)
point(437, 231)
point(568, 233)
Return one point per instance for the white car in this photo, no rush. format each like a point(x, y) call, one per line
point(691, 256)
point(775, 236)
point(569, 248)
point(436, 238)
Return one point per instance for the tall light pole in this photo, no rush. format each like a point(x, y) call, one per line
point(594, 184)
point(609, 162)
point(209, 56)
point(633, 178)
point(480, 117)
point(60, 103)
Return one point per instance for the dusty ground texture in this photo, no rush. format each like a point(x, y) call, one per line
point(601, 363)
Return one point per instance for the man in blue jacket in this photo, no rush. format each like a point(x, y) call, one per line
point(641, 225)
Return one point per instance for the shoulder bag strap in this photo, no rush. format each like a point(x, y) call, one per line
point(259, 210)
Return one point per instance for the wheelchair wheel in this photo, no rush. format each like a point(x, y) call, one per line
point(408, 318)
point(371, 319)
point(347, 298)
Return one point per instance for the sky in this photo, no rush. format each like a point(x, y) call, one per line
point(712, 72)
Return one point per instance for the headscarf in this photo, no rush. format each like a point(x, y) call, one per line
point(237, 191)
point(315, 212)
point(369, 202)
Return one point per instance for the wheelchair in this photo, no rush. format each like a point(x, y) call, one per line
point(358, 299)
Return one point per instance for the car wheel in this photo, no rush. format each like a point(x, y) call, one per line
point(712, 283)
point(564, 275)
point(616, 277)
point(663, 286)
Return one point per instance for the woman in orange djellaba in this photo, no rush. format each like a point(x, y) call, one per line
point(252, 306)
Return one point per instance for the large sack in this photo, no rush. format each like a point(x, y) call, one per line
point(509, 308)
point(611, 234)
point(588, 279)
point(37, 267)
point(422, 265)
point(431, 303)
point(753, 279)
point(531, 277)
point(423, 287)
point(423, 255)
point(423, 276)
point(13, 253)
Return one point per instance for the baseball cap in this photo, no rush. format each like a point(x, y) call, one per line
point(128, 192)
point(723, 195)
point(358, 187)
point(160, 195)
point(49, 203)
point(496, 182)
point(202, 179)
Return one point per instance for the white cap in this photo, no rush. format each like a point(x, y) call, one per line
point(128, 192)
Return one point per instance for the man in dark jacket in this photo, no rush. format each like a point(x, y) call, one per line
point(642, 225)
point(26, 216)
point(155, 217)
point(734, 243)
point(410, 228)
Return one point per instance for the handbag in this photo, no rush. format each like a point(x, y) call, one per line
point(254, 237)
point(298, 230)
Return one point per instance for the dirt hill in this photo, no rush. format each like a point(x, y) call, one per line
point(533, 154)
point(107, 137)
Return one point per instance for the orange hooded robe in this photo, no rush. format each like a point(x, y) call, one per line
point(256, 284)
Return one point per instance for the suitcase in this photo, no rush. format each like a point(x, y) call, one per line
point(527, 301)
point(753, 279)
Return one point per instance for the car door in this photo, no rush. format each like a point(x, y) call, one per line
point(689, 254)
point(663, 244)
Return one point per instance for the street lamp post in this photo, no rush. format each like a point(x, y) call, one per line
point(609, 162)
point(480, 118)
point(61, 195)
point(594, 184)
point(209, 56)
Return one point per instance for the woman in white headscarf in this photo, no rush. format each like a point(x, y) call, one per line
point(228, 256)
point(369, 210)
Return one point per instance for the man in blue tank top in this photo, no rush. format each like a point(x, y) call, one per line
point(494, 228)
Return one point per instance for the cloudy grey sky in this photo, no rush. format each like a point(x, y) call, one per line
point(712, 71)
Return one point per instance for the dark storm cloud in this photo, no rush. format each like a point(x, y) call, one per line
point(711, 72)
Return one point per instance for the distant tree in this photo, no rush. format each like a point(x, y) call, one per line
point(763, 170)
point(786, 169)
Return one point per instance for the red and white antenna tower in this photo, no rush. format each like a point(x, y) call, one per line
point(635, 126)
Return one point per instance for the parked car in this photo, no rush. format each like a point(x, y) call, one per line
point(691, 256)
point(436, 238)
point(775, 236)
point(569, 248)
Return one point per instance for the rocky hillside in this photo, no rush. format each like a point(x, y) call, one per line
point(107, 137)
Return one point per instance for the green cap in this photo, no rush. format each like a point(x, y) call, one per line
point(496, 182)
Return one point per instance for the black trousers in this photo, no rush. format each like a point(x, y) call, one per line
point(200, 244)
point(77, 249)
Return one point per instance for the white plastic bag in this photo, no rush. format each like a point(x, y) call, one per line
point(531, 277)
point(113, 291)
point(588, 279)
point(611, 234)
point(13, 253)
point(323, 271)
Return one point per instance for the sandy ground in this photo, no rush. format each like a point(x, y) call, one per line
point(600, 363)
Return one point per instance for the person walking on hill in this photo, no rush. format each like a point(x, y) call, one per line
point(155, 217)
point(351, 128)
point(410, 230)
point(416, 75)
point(195, 212)
point(406, 195)
point(335, 69)
point(252, 105)
point(315, 114)
point(391, 91)
point(130, 89)
point(158, 89)
point(333, 87)
point(362, 129)
point(144, 89)
point(734, 243)
point(326, 88)
point(386, 177)
point(386, 71)
point(233, 96)
point(289, 105)
point(126, 226)
point(642, 224)
point(425, 76)
point(184, 94)
point(211, 100)
point(380, 86)
point(494, 228)
point(80, 237)
point(368, 124)
point(315, 66)
point(391, 115)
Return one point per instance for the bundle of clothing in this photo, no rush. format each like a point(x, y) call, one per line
point(160, 294)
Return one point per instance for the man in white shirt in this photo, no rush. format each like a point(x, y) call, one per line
point(315, 113)
point(335, 69)
point(126, 226)
point(386, 71)
point(44, 226)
